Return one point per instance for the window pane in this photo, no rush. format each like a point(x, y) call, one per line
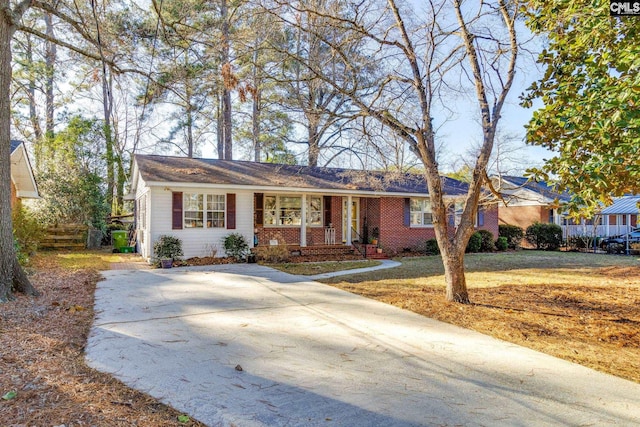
point(193, 219)
point(416, 219)
point(315, 218)
point(416, 205)
point(269, 202)
point(193, 202)
point(290, 202)
point(215, 202)
point(427, 219)
point(269, 218)
point(315, 204)
point(215, 219)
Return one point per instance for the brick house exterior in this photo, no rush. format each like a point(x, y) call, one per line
point(203, 200)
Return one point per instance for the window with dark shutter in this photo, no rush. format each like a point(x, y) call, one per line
point(231, 211)
point(258, 209)
point(176, 210)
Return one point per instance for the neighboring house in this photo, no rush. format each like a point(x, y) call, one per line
point(23, 183)
point(527, 201)
point(203, 200)
point(620, 217)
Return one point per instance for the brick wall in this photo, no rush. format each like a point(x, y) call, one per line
point(522, 216)
point(394, 235)
point(491, 219)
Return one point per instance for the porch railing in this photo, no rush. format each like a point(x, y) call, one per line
point(360, 246)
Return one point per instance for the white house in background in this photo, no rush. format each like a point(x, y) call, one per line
point(621, 216)
point(23, 183)
point(312, 209)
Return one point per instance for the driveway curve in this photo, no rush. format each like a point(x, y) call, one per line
point(246, 345)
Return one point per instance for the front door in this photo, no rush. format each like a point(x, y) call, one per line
point(355, 219)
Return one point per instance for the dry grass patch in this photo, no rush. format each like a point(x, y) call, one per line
point(42, 354)
point(584, 308)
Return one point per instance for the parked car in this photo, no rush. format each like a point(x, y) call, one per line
point(613, 244)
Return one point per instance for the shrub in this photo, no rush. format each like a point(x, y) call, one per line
point(167, 247)
point(236, 246)
point(502, 244)
point(475, 243)
point(582, 242)
point(547, 237)
point(27, 232)
point(512, 233)
point(486, 244)
point(273, 253)
point(432, 247)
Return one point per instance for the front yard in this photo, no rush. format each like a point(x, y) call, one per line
point(581, 307)
point(584, 308)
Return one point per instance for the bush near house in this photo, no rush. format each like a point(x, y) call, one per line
point(502, 244)
point(475, 243)
point(168, 247)
point(486, 244)
point(28, 232)
point(432, 247)
point(236, 246)
point(512, 233)
point(547, 237)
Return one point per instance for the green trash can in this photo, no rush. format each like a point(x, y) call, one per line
point(119, 239)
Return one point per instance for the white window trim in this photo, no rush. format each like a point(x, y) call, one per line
point(204, 211)
point(277, 211)
point(422, 212)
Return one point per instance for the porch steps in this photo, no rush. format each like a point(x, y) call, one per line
point(321, 250)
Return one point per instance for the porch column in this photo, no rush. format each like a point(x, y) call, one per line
point(303, 224)
point(349, 218)
point(606, 225)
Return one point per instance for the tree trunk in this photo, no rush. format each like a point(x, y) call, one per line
point(11, 274)
point(51, 55)
point(453, 261)
point(220, 127)
point(313, 121)
point(226, 91)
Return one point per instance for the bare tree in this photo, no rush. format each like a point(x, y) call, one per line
point(450, 45)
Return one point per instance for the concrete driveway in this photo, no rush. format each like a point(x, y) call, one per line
point(245, 345)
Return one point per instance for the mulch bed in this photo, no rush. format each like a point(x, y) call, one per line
point(42, 360)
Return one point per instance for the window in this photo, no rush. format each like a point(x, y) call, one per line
point(314, 211)
point(215, 211)
point(193, 211)
point(420, 210)
point(197, 207)
point(280, 210)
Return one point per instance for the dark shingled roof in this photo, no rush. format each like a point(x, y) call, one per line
point(14, 144)
point(539, 187)
point(232, 172)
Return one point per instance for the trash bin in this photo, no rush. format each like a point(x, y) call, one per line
point(119, 239)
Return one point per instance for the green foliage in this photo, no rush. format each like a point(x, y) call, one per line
point(69, 177)
point(512, 233)
point(236, 246)
point(475, 243)
point(591, 92)
point(168, 247)
point(432, 247)
point(582, 242)
point(486, 244)
point(502, 244)
point(544, 236)
point(27, 232)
